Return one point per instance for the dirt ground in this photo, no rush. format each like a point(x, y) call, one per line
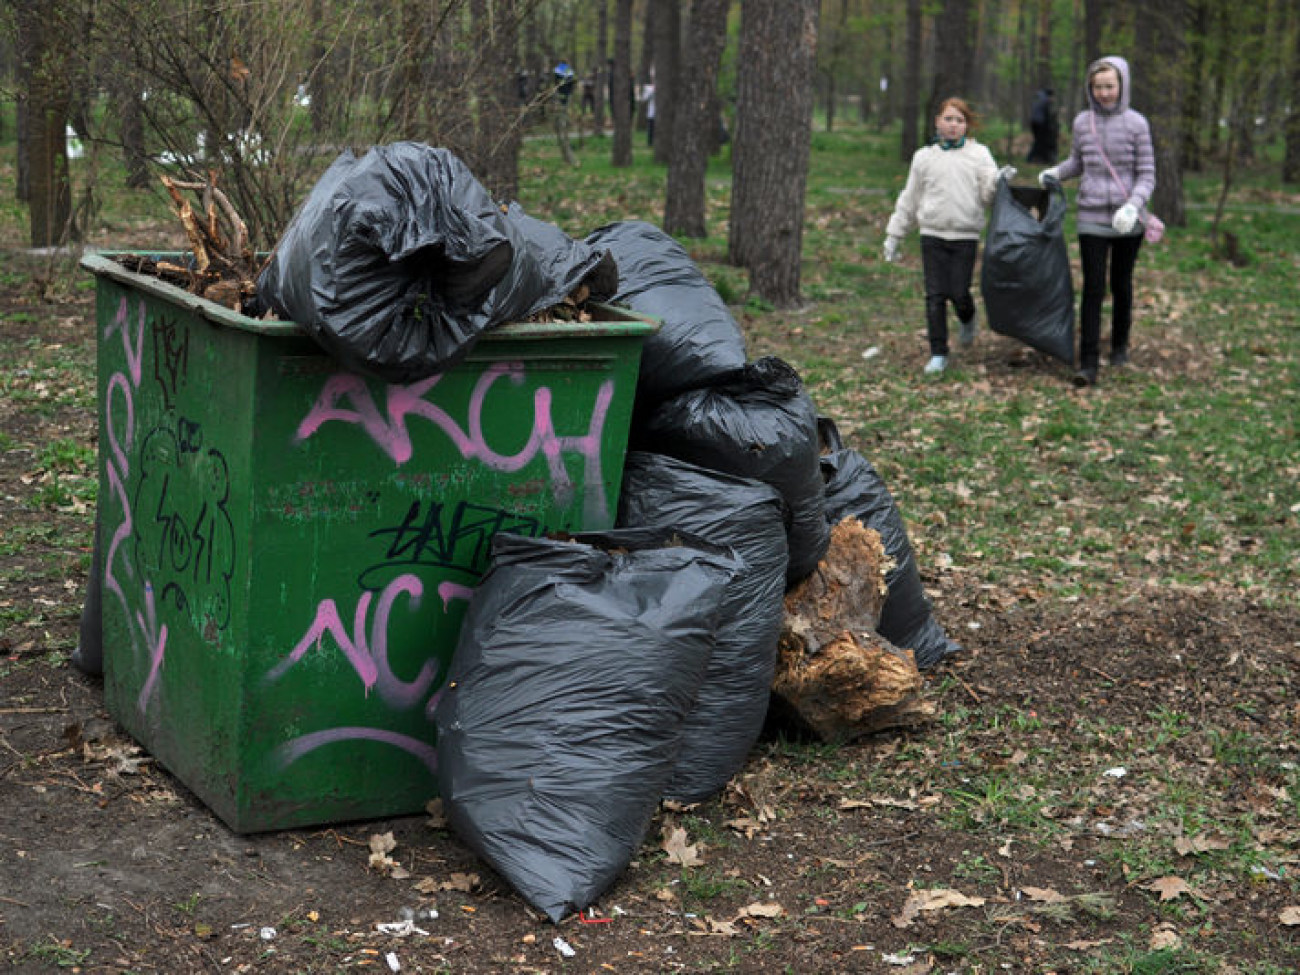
point(1041, 776)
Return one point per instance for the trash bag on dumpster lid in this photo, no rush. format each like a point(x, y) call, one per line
point(1025, 279)
point(698, 338)
point(759, 422)
point(398, 261)
point(747, 516)
point(577, 663)
point(854, 489)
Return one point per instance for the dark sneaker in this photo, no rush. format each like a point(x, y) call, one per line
point(1087, 376)
point(966, 336)
point(1119, 357)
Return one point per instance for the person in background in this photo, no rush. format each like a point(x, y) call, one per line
point(648, 99)
point(1042, 123)
point(1113, 155)
point(949, 186)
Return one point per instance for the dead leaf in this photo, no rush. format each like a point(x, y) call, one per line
point(437, 815)
point(762, 909)
point(1165, 936)
point(678, 847)
point(745, 825)
point(1087, 945)
point(1290, 915)
point(932, 900)
point(464, 882)
point(1188, 846)
point(1169, 888)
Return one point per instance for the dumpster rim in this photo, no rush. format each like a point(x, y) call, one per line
point(102, 263)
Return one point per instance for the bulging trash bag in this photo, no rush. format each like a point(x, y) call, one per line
point(746, 516)
point(855, 490)
point(397, 262)
point(757, 422)
point(698, 338)
point(1025, 279)
point(562, 714)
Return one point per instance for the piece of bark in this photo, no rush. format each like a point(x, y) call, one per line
point(835, 675)
point(857, 684)
point(847, 591)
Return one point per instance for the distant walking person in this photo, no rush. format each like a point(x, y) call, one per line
point(949, 186)
point(1113, 154)
point(648, 99)
point(1043, 125)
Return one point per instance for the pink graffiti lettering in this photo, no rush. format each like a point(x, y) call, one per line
point(388, 428)
point(290, 751)
point(447, 591)
point(368, 656)
point(156, 641)
point(147, 635)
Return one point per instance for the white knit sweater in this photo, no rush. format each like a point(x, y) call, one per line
point(947, 192)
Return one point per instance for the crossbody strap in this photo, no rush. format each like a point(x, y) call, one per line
point(1092, 120)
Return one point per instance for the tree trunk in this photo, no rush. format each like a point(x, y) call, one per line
point(497, 127)
point(1092, 20)
point(668, 34)
point(1194, 86)
point(621, 83)
point(601, 69)
point(132, 121)
point(43, 43)
point(778, 50)
point(911, 107)
point(952, 57)
point(1291, 160)
point(1157, 82)
point(696, 120)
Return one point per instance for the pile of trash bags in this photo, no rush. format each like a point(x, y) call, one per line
point(599, 673)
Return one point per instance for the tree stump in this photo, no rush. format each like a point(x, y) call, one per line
point(835, 675)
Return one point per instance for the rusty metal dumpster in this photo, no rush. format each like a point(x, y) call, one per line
point(288, 547)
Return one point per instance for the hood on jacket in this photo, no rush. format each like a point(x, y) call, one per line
point(1121, 68)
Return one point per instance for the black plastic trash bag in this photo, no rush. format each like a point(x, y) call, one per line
point(698, 339)
point(746, 516)
point(757, 422)
point(562, 715)
point(1025, 279)
point(855, 490)
point(398, 261)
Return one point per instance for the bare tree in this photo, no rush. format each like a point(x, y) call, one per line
point(1159, 76)
point(600, 74)
point(952, 55)
point(667, 50)
point(911, 82)
point(1291, 160)
point(46, 32)
point(696, 119)
point(621, 85)
point(777, 61)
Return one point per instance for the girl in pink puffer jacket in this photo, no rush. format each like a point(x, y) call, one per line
point(1108, 135)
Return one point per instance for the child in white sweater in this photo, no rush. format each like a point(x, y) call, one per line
point(950, 185)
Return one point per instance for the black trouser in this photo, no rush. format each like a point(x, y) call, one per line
point(948, 266)
point(1123, 254)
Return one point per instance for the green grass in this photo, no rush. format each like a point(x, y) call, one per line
point(1192, 451)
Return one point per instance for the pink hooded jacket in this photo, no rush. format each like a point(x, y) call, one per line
point(1125, 137)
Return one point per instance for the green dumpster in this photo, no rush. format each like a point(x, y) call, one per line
point(288, 547)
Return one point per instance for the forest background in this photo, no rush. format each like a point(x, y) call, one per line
point(1110, 784)
point(269, 92)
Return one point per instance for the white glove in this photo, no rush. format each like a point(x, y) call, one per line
point(1007, 172)
point(1050, 173)
point(891, 248)
point(1125, 219)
